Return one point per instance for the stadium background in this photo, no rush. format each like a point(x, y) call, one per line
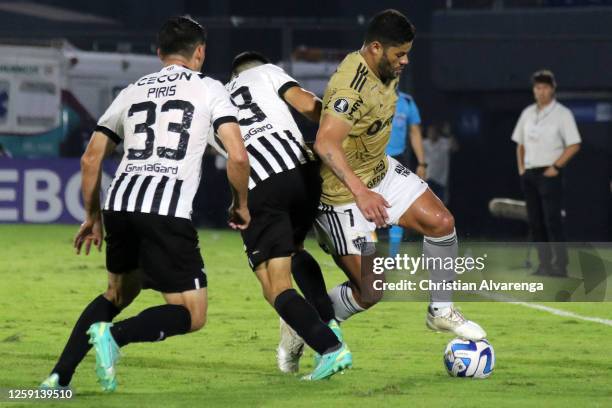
point(470, 65)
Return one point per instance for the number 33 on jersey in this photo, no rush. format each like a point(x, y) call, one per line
point(163, 120)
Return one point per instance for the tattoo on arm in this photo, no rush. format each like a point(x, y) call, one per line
point(328, 159)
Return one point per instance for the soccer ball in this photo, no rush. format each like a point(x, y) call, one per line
point(465, 358)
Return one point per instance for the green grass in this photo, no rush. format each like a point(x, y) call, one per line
point(542, 360)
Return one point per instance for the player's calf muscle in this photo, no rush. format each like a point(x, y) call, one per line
point(351, 265)
point(272, 288)
point(198, 320)
point(195, 301)
point(275, 277)
point(364, 295)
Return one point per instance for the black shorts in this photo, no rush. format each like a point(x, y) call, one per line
point(165, 248)
point(283, 208)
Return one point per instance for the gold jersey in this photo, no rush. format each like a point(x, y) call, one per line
point(356, 95)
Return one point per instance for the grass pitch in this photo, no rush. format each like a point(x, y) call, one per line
point(543, 360)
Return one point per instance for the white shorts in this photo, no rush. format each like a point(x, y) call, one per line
point(342, 229)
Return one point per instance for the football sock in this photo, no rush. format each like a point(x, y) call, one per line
point(153, 324)
point(395, 238)
point(99, 310)
point(441, 248)
point(440, 308)
point(303, 318)
point(343, 301)
point(309, 278)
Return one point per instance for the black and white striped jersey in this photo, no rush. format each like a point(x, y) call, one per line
point(271, 136)
point(163, 120)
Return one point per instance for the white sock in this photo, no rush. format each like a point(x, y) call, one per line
point(441, 248)
point(440, 308)
point(343, 301)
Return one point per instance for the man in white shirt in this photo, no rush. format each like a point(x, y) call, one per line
point(547, 138)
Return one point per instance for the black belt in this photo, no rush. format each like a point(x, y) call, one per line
point(536, 170)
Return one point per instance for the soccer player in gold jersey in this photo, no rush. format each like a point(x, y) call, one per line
point(364, 189)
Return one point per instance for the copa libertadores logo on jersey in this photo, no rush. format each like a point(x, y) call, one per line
point(341, 105)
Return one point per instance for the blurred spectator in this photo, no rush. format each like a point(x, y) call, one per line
point(438, 146)
point(406, 125)
point(547, 138)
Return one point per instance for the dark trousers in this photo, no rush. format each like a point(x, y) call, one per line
point(544, 197)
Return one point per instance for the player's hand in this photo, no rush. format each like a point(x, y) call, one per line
point(551, 172)
point(239, 217)
point(421, 171)
point(90, 232)
point(373, 206)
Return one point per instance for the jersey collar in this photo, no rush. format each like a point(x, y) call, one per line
point(172, 67)
point(364, 62)
point(547, 109)
point(373, 75)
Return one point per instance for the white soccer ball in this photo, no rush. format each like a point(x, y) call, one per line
point(465, 358)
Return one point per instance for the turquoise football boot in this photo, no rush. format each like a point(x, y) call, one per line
point(335, 326)
point(52, 383)
point(107, 354)
point(331, 363)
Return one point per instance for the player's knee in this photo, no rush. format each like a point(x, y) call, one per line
point(198, 319)
point(445, 225)
point(119, 296)
point(275, 289)
point(198, 322)
point(123, 289)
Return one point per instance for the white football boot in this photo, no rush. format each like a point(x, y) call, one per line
point(451, 320)
point(290, 349)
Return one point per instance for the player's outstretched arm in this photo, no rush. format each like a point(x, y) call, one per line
point(328, 146)
point(238, 170)
point(99, 147)
point(305, 102)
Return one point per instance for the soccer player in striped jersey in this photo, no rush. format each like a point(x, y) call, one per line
point(163, 120)
point(284, 190)
point(363, 188)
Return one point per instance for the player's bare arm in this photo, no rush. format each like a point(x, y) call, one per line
point(237, 173)
point(305, 102)
point(91, 231)
point(416, 141)
point(328, 146)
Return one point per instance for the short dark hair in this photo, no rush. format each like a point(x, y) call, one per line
point(248, 56)
point(180, 35)
point(390, 28)
point(544, 76)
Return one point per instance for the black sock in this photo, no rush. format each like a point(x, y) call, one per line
point(99, 310)
point(152, 324)
point(309, 278)
point(304, 320)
